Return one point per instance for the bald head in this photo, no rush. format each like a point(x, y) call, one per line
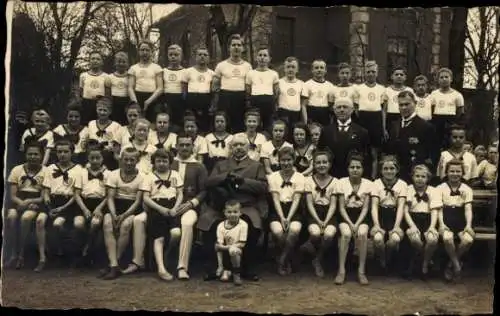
point(343, 109)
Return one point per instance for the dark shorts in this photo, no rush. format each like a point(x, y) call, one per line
point(119, 107)
point(454, 218)
point(322, 211)
point(442, 125)
point(23, 195)
point(89, 111)
point(122, 205)
point(92, 203)
point(161, 225)
point(200, 103)
point(320, 115)
point(391, 119)
point(233, 103)
point(273, 216)
point(152, 109)
point(69, 213)
point(387, 217)
point(354, 214)
point(266, 106)
point(176, 107)
point(421, 220)
point(372, 122)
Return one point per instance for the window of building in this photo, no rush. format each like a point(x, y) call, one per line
point(284, 39)
point(397, 52)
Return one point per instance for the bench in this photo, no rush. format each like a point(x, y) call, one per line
point(486, 200)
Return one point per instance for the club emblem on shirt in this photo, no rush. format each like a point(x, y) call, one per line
point(201, 78)
point(291, 92)
point(94, 84)
point(343, 93)
point(236, 72)
point(120, 85)
point(172, 77)
point(421, 103)
point(441, 103)
point(319, 94)
point(371, 96)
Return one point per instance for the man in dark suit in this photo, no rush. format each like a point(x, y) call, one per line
point(412, 138)
point(244, 180)
point(342, 137)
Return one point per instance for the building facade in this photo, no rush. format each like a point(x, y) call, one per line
point(414, 38)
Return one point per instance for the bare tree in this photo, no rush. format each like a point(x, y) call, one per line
point(482, 47)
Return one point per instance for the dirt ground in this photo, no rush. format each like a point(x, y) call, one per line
point(299, 293)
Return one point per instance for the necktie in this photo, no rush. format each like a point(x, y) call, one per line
point(58, 173)
point(98, 176)
point(100, 133)
point(455, 193)
point(286, 184)
point(159, 145)
point(389, 191)
point(275, 152)
point(165, 183)
point(252, 146)
point(354, 195)
point(219, 143)
point(406, 123)
point(424, 197)
point(321, 191)
point(30, 178)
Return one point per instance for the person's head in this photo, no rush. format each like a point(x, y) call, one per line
point(184, 145)
point(318, 69)
point(407, 103)
point(480, 153)
point(315, 131)
point(454, 170)
point(252, 120)
point(129, 159)
point(174, 54)
point(445, 77)
point(41, 120)
point(95, 60)
point(146, 48)
point(64, 148)
point(73, 116)
point(202, 56)
point(355, 165)
point(389, 167)
point(457, 136)
point(345, 73)
point(141, 129)
point(322, 162)
point(493, 154)
point(190, 126)
point(343, 109)
point(33, 153)
point(162, 122)
point(220, 121)
point(468, 146)
point(420, 85)
point(121, 62)
point(263, 57)
point(133, 112)
point(235, 45)
point(420, 175)
point(291, 67)
point(232, 211)
point(286, 158)
point(94, 154)
point(239, 146)
point(398, 75)
point(278, 131)
point(103, 108)
point(300, 134)
point(161, 160)
point(371, 71)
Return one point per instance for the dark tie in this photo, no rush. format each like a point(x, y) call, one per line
point(455, 193)
point(252, 146)
point(424, 197)
point(286, 184)
point(219, 143)
point(165, 183)
point(275, 152)
point(343, 128)
point(301, 160)
point(406, 123)
point(131, 138)
point(58, 173)
point(354, 195)
point(100, 133)
point(143, 153)
point(98, 176)
point(30, 178)
point(321, 191)
point(389, 191)
point(159, 145)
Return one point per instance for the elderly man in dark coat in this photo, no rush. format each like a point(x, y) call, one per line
point(244, 180)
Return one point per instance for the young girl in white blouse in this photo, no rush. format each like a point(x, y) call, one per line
point(317, 95)
point(40, 133)
point(388, 201)
point(286, 187)
point(423, 203)
point(133, 112)
point(218, 141)
point(197, 87)
point(106, 132)
point(354, 220)
point(117, 88)
point(290, 91)
point(163, 193)
point(321, 202)
point(229, 84)
point(59, 186)
point(270, 149)
point(123, 201)
point(455, 221)
point(262, 88)
point(255, 139)
point(304, 149)
point(200, 148)
point(145, 84)
point(74, 131)
point(172, 86)
point(140, 143)
point(25, 206)
point(92, 86)
point(90, 195)
point(162, 137)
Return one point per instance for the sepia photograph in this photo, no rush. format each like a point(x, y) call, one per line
point(250, 158)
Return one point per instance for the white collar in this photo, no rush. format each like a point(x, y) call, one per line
point(411, 117)
point(346, 124)
point(190, 159)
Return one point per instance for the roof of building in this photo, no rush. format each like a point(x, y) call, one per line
point(178, 14)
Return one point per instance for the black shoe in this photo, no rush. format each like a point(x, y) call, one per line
point(103, 272)
point(210, 277)
point(249, 276)
point(114, 273)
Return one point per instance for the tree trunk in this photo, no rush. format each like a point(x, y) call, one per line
point(457, 44)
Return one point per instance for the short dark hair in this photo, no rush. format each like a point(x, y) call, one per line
point(34, 144)
point(407, 93)
point(399, 67)
point(344, 66)
point(355, 156)
point(161, 153)
point(286, 151)
point(232, 202)
point(420, 77)
point(64, 142)
point(291, 59)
